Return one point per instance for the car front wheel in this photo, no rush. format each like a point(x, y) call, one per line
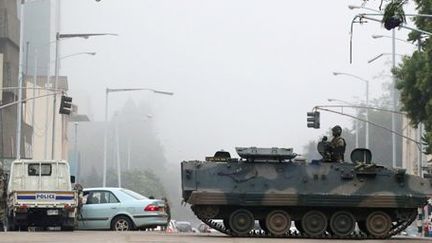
point(121, 223)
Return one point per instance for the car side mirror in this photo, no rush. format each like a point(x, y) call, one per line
point(72, 179)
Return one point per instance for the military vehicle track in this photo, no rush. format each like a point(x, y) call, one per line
point(396, 229)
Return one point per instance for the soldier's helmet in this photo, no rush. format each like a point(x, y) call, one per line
point(337, 130)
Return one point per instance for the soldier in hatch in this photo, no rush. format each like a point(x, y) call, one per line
point(337, 145)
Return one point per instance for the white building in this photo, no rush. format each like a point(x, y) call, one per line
point(41, 119)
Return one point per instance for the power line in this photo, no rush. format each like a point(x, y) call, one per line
point(372, 123)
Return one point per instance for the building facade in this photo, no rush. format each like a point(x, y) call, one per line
point(413, 161)
point(39, 114)
point(9, 50)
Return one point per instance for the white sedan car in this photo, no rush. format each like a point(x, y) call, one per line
point(120, 209)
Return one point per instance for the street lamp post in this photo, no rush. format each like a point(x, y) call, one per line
point(381, 55)
point(20, 72)
point(364, 16)
point(393, 92)
point(107, 91)
point(56, 68)
point(420, 126)
point(77, 120)
point(394, 98)
point(36, 51)
point(356, 121)
point(367, 102)
point(20, 83)
point(386, 36)
point(76, 147)
point(117, 139)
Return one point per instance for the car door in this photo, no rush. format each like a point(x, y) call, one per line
point(99, 209)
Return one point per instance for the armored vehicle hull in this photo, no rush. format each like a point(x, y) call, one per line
point(323, 199)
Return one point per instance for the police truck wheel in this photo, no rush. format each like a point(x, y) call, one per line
point(121, 223)
point(11, 225)
point(67, 228)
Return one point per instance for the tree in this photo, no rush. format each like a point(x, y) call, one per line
point(414, 77)
point(144, 182)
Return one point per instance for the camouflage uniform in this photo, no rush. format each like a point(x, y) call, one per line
point(337, 145)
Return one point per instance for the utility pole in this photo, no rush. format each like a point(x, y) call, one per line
point(105, 139)
point(27, 57)
point(46, 112)
point(420, 128)
point(76, 148)
point(393, 122)
point(20, 83)
point(107, 91)
point(56, 74)
point(117, 139)
point(367, 102)
point(129, 153)
point(34, 101)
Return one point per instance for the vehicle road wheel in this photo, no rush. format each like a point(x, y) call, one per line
point(342, 223)
point(378, 224)
point(121, 223)
point(278, 222)
point(314, 223)
point(241, 222)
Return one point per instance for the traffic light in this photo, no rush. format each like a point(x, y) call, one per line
point(65, 105)
point(313, 119)
point(392, 23)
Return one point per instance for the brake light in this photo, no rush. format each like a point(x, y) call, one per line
point(69, 208)
point(151, 208)
point(23, 206)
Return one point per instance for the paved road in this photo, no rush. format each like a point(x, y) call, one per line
point(157, 237)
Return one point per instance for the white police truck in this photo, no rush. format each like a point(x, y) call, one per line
point(40, 195)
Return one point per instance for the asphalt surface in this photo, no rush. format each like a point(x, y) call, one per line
point(160, 237)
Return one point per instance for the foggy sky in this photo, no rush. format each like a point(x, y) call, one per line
point(244, 72)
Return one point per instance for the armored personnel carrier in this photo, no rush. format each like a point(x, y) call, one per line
point(268, 186)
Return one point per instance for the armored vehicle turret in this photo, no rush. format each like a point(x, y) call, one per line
point(321, 198)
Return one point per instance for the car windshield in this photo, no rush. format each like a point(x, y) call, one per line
point(132, 194)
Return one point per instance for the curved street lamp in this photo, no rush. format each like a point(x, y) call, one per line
point(367, 100)
point(107, 91)
point(387, 36)
point(356, 121)
point(34, 86)
point(78, 54)
point(383, 54)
